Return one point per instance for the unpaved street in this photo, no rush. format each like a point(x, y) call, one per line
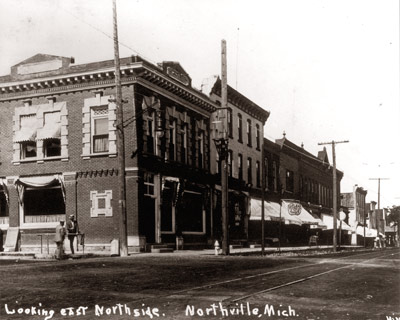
point(346, 285)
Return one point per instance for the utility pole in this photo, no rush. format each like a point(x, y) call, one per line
point(379, 189)
point(262, 199)
point(379, 199)
point(224, 151)
point(123, 238)
point(334, 189)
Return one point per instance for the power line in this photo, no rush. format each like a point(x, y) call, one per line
point(379, 189)
point(106, 34)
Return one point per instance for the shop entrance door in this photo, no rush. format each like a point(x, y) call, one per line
point(148, 221)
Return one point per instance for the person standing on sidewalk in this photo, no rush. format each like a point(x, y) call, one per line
point(71, 228)
point(59, 239)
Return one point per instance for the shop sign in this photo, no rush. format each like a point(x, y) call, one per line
point(294, 208)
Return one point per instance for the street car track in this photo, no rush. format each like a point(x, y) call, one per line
point(258, 275)
point(243, 297)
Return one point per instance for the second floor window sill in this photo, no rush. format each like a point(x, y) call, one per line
point(98, 155)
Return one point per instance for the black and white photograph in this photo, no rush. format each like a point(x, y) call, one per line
point(199, 159)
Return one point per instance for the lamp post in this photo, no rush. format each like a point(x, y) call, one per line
point(221, 145)
point(221, 141)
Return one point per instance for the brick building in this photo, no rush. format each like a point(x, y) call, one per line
point(59, 152)
point(245, 130)
point(293, 175)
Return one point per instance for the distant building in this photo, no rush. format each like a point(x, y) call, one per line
point(359, 215)
point(293, 175)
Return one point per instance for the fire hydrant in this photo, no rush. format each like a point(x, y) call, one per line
point(216, 247)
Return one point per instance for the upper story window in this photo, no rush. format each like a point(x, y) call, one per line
point(51, 134)
point(258, 173)
point(249, 171)
point(99, 129)
point(148, 182)
point(172, 139)
point(249, 133)
point(240, 166)
point(99, 134)
point(183, 142)
point(150, 133)
point(258, 137)
point(200, 149)
point(274, 176)
point(240, 128)
point(230, 123)
point(40, 131)
point(28, 150)
point(27, 136)
point(230, 163)
point(289, 181)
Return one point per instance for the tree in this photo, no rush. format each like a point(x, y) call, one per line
point(394, 215)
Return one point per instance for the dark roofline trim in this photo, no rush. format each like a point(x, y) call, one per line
point(304, 155)
point(242, 102)
point(84, 80)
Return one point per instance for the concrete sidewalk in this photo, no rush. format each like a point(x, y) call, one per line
point(204, 252)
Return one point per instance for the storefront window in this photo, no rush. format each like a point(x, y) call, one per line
point(43, 205)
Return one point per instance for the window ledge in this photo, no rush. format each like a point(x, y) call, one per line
point(37, 225)
point(98, 155)
point(194, 232)
point(37, 160)
point(18, 162)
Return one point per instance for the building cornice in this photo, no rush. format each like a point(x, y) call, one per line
point(102, 78)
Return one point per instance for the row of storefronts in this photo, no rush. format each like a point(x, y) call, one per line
point(58, 157)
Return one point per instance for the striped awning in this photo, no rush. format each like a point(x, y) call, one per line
point(49, 131)
point(28, 129)
point(272, 212)
point(26, 134)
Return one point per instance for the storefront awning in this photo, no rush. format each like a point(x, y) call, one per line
point(49, 131)
point(295, 209)
point(272, 212)
point(369, 233)
point(321, 224)
point(328, 220)
point(38, 182)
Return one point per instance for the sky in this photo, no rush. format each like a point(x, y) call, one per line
point(327, 70)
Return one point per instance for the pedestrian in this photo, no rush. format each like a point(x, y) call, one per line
point(71, 228)
point(59, 239)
